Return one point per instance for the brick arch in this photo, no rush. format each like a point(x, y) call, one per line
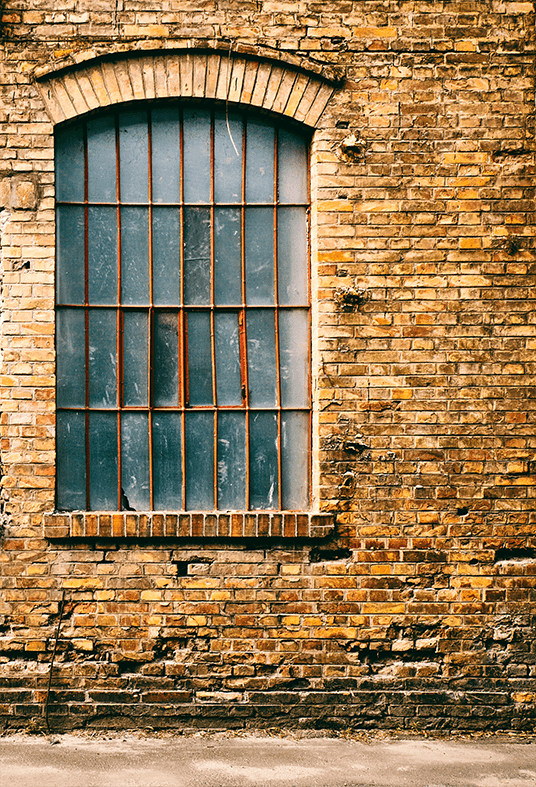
point(268, 85)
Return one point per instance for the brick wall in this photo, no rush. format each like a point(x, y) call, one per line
point(409, 603)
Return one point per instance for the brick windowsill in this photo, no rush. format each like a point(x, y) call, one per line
point(241, 524)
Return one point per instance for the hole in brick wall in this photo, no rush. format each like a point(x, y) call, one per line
point(321, 555)
point(342, 124)
point(462, 511)
point(515, 553)
point(182, 568)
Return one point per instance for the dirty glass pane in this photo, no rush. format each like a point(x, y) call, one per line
point(166, 255)
point(70, 231)
point(227, 262)
point(102, 358)
point(135, 359)
point(165, 360)
point(294, 357)
point(166, 154)
point(70, 461)
point(292, 166)
point(102, 172)
point(71, 362)
point(228, 375)
point(135, 462)
point(260, 256)
point(197, 255)
point(199, 456)
point(262, 371)
point(292, 269)
point(102, 255)
point(228, 132)
point(167, 453)
point(263, 450)
point(232, 460)
point(133, 156)
point(103, 491)
point(260, 142)
point(196, 146)
point(135, 255)
point(295, 460)
point(70, 164)
point(199, 359)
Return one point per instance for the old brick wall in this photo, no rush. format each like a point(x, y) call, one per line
point(417, 610)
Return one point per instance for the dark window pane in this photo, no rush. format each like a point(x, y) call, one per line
point(199, 454)
point(199, 359)
point(166, 256)
point(228, 133)
point(295, 451)
point(103, 487)
point(228, 374)
point(262, 370)
point(260, 145)
point(70, 269)
point(263, 451)
point(166, 153)
point(167, 461)
point(135, 462)
point(260, 256)
point(232, 460)
point(101, 154)
point(70, 461)
point(70, 164)
point(102, 358)
point(294, 357)
point(292, 257)
point(292, 165)
point(71, 362)
point(196, 141)
point(166, 360)
point(135, 255)
point(133, 156)
point(227, 260)
point(102, 255)
point(135, 359)
point(197, 255)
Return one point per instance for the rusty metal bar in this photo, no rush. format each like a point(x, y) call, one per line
point(119, 342)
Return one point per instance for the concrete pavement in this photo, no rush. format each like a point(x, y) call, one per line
point(205, 760)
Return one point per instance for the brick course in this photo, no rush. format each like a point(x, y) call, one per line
point(416, 609)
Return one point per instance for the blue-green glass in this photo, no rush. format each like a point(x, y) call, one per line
point(70, 461)
point(102, 255)
point(260, 274)
point(101, 154)
point(292, 271)
point(71, 362)
point(232, 460)
point(199, 459)
point(102, 358)
point(165, 153)
point(196, 151)
point(167, 462)
point(135, 359)
point(294, 357)
point(292, 167)
point(135, 474)
point(227, 346)
point(103, 463)
point(262, 370)
point(135, 255)
point(134, 156)
point(166, 256)
point(165, 360)
point(260, 147)
point(70, 164)
point(295, 452)
point(70, 271)
point(227, 256)
point(228, 135)
point(199, 359)
point(263, 453)
point(197, 248)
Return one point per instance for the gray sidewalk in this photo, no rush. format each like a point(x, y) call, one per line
point(131, 760)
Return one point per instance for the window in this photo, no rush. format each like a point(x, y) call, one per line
point(182, 331)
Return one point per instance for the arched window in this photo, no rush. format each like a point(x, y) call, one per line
point(182, 332)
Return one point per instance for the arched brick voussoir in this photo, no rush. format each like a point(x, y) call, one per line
point(270, 85)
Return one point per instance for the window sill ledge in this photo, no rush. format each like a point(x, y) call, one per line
point(192, 524)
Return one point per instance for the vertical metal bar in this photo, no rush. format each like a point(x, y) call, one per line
point(276, 325)
point(150, 313)
point(181, 327)
point(119, 345)
point(309, 381)
point(212, 316)
point(242, 315)
point(86, 315)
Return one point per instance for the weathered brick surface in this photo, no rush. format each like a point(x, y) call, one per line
point(418, 611)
